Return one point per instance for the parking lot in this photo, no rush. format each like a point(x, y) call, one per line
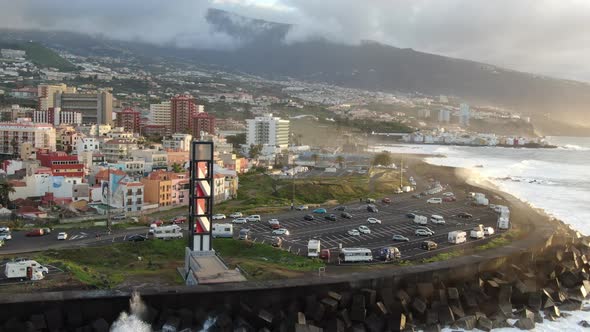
point(332, 234)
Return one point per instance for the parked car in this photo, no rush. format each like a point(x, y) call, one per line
point(280, 231)
point(179, 220)
point(244, 234)
point(252, 218)
point(239, 221)
point(346, 215)
point(119, 217)
point(464, 215)
point(364, 229)
point(373, 221)
point(158, 222)
point(302, 208)
point(218, 216)
point(449, 199)
point(4, 229)
point(276, 241)
point(236, 215)
point(448, 194)
point(487, 231)
point(434, 200)
point(5, 236)
point(331, 217)
point(429, 245)
point(340, 208)
point(62, 236)
point(426, 229)
point(309, 217)
point(274, 224)
point(399, 237)
point(386, 200)
point(35, 232)
point(353, 232)
point(436, 219)
point(372, 208)
point(423, 232)
point(320, 211)
point(325, 254)
point(411, 215)
point(136, 238)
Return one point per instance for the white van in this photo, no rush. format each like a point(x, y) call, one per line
point(457, 237)
point(313, 248)
point(222, 230)
point(436, 219)
point(434, 200)
point(254, 217)
point(168, 232)
point(503, 223)
point(350, 255)
point(421, 220)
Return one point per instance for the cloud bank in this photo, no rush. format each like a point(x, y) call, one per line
point(542, 36)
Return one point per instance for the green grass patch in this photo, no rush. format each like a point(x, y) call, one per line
point(444, 256)
point(106, 267)
point(41, 55)
point(262, 261)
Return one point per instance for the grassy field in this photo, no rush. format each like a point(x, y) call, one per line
point(261, 193)
point(155, 262)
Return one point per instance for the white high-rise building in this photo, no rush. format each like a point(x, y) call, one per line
point(444, 116)
point(464, 115)
point(160, 114)
point(268, 130)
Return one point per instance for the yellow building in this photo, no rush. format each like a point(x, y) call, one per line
point(158, 188)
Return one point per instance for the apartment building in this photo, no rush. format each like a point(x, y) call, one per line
point(14, 134)
point(96, 108)
point(268, 130)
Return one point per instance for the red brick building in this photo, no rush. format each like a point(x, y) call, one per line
point(202, 122)
point(129, 119)
point(61, 164)
point(182, 108)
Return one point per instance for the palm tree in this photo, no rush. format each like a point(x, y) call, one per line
point(315, 157)
point(5, 189)
point(340, 161)
point(177, 168)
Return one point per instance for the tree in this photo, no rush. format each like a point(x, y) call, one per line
point(177, 168)
point(5, 189)
point(383, 158)
point(315, 157)
point(237, 140)
point(255, 151)
point(340, 160)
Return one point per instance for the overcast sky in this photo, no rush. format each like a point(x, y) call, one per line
point(542, 36)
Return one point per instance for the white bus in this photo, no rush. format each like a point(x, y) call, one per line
point(350, 255)
point(222, 230)
point(168, 232)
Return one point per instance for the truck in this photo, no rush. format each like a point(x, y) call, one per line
point(503, 223)
point(222, 230)
point(482, 201)
point(421, 220)
point(457, 237)
point(477, 232)
point(313, 248)
point(25, 270)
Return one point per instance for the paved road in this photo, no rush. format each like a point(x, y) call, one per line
point(20, 243)
point(332, 234)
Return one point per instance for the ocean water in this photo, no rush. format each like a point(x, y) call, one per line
point(555, 180)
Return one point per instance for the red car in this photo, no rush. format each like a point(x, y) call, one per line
point(35, 232)
point(449, 199)
point(325, 254)
point(179, 220)
point(157, 222)
point(275, 226)
point(386, 200)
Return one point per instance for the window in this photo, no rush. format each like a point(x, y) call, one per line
point(129, 192)
point(139, 191)
point(129, 201)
